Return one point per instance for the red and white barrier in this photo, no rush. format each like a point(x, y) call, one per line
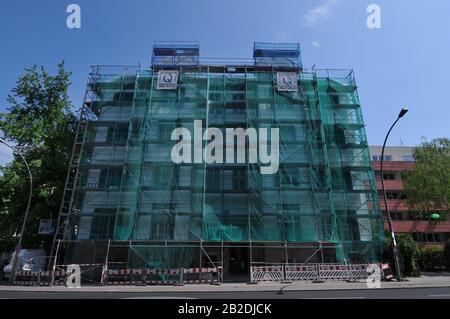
point(309, 272)
point(301, 272)
point(334, 272)
point(162, 276)
point(387, 272)
point(266, 273)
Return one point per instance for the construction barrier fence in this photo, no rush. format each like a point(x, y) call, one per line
point(97, 274)
point(318, 272)
point(163, 276)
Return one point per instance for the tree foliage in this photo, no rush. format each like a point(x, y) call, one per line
point(427, 186)
point(447, 254)
point(431, 259)
point(408, 253)
point(40, 123)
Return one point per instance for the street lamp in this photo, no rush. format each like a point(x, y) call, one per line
point(12, 276)
point(391, 229)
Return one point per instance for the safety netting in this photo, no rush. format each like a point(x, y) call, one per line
point(323, 192)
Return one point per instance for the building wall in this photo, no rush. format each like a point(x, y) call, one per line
point(397, 159)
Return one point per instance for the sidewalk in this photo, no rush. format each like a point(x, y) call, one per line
point(426, 281)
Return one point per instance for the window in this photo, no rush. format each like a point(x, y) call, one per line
point(213, 179)
point(262, 107)
point(239, 180)
point(396, 216)
point(389, 176)
point(165, 131)
point(117, 135)
point(288, 133)
point(162, 176)
point(162, 227)
point(103, 222)
point(238, 97)
point(110, 178)
point(387, 158)
point(394, 195)
point(236, 109)
point(408, 158)
point(289, 177)
point(431, 237)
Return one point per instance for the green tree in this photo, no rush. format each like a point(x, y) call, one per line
point(447, 255)
point(431, 259)
point(408, 252)
point(40, 123)
point(427, 186)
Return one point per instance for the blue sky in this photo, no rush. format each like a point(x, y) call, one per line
point(406, 62)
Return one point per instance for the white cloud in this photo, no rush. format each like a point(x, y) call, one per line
point(314, 16)
point(316, 44)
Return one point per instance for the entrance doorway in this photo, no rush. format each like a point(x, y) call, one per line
point(236, 264)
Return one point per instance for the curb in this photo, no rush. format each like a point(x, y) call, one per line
point(137, 289)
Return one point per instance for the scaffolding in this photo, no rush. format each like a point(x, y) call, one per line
point(321, 205)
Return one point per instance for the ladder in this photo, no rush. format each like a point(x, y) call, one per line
point(67, 203)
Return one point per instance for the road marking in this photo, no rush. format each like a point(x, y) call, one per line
point(156, 297)
point(447, 295)
point(334, 298)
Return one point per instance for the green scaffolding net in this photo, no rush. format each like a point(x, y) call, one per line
point(323, 191)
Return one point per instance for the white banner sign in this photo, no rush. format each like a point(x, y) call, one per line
point(167, 80)
point(287, 81)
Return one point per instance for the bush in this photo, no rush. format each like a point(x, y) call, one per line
point(447, 255)
point(431, 259)
point(408, 253)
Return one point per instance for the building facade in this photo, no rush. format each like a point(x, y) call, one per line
point(426, 232)
point(138, 178)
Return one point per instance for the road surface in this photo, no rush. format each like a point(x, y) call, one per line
point(398, 293)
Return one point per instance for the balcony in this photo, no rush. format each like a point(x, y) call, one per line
point(391, 185)
point(394, 204)
point(392, 166)
point(410, 226)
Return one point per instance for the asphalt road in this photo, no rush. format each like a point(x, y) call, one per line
point(399, 293)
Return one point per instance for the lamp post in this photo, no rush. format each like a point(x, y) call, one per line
point(391, 229)
point(12, 277)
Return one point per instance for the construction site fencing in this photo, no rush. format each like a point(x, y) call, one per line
point(316, 272)
point(267, 273)
point(146, 276)
point(99, 274)
point(40, 278)
point(90, 274)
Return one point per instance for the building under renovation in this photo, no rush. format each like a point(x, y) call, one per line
point(127, 202)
